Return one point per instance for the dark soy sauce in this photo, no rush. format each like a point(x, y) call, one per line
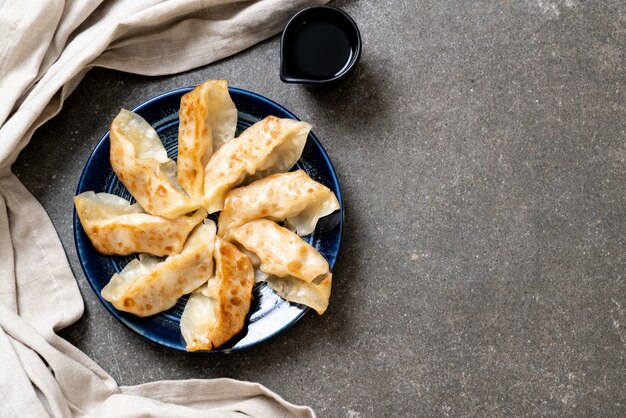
point(320, 50)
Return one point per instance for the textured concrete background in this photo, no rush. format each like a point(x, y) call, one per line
point(481, 147)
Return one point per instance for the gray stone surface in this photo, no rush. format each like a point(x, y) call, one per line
point(481, 147)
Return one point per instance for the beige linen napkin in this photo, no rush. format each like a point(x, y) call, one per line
point(46, 47)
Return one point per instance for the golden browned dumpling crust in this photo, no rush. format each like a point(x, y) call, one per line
point(217, 311)
point(139, 160)
point(208, 119)
point(148, 286)
point(293, 197)
point(115, 227)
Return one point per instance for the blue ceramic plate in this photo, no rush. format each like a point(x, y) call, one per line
point(269, 314)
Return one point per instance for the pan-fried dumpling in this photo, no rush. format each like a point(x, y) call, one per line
point(272, 145)
point(315, 294)
point(148, 286)
point(217, 310)
point(280, 251)
point(292, 267)
point(115, 227)
point(294, 197)
point(208, 119)
point(140, 161)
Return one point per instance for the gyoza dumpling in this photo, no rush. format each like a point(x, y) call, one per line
point(148, 286)
point(272, 145)
point(208, 119)
point(115, 227)
point(294, 197)
point(315, 294)
point(280, 251)
point(217, 310)
point(301, 274)
point(140, 161)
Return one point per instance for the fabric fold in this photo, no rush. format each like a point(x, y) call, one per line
point(45, 291)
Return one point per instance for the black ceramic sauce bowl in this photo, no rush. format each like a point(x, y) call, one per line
point(320, 45)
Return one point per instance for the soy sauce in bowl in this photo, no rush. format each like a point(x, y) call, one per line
point(320, 44)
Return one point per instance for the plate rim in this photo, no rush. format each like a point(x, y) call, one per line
point(154, 338)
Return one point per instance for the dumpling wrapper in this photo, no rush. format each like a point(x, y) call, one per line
point(289, 265)
point(292, 197)
point(281, 252)
point(115, 227)
point(208, 119)
point(140, 161)
point(272, 145)
point(217, 310)
point(315, 294)
point(148, 286)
